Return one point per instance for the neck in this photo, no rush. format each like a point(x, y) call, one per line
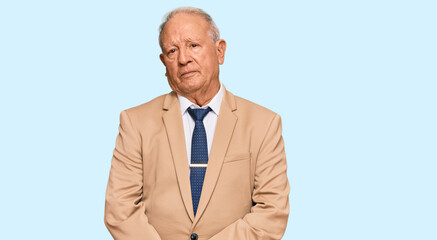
point(202, 98)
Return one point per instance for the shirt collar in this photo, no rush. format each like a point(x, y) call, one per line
point(214, 104)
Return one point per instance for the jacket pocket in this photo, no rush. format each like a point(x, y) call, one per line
point(237, 157)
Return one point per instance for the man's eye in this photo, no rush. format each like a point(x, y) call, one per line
point(172, 51)
point(194, 45)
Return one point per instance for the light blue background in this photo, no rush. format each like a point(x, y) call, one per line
point(354, 82)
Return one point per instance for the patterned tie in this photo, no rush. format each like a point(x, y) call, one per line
point(199, 154)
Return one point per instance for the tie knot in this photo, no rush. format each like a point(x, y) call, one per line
point(198, 113)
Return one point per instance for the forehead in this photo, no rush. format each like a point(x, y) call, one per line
point(185, 26)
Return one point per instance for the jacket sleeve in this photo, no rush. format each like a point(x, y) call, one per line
point(269, 214)
point(125, 215)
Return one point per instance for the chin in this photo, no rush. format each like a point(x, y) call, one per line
point(191, 86)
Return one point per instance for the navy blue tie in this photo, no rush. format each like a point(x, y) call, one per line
point(199, 154)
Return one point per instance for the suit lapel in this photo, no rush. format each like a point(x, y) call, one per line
point(223, 133)
point(175, 134)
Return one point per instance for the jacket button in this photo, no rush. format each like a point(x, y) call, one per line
point(194, 236)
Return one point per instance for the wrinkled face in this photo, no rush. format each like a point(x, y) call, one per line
point(189, 54)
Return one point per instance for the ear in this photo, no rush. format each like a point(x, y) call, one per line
point(221, 49)
point(161, 56)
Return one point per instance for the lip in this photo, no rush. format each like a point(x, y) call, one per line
point(187, 74)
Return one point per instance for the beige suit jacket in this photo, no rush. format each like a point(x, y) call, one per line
point(245, 191)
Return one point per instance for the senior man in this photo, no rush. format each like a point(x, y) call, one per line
point(199, 162)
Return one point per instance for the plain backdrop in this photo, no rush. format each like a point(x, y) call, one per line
point(354, 82)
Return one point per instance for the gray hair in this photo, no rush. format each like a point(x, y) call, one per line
point(213, 30)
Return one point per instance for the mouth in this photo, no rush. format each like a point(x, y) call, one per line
point(187, 74)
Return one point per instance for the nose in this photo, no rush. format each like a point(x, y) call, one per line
point(184, 57)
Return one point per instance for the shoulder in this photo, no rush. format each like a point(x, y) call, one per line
point(151, 105)
point(253, 112)
point(146, 112)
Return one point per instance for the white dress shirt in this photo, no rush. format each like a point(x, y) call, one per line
point(210, 120)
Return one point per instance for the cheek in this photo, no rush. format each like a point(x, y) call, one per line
point(209, 62)
point(171, 68)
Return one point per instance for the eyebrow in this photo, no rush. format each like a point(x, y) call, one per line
point(188, 39)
